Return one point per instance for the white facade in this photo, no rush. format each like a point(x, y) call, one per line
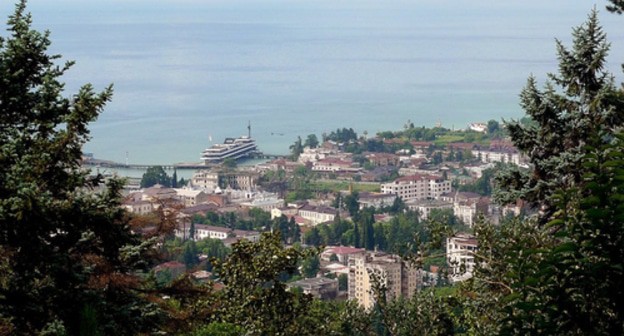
point(214, 232)
point(333, 165)
point(424, 207)
point(190, 197)
point(139, 207)
point(417, 187)
point(205, 180)
point(317, 215)
point(265, 203)
point(488, 156)
point(460, 251)
point(313, 154)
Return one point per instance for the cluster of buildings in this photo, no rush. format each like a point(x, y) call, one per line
point(408, 175)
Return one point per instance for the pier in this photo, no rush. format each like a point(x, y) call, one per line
point(180, 166)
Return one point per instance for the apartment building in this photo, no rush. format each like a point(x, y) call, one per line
point(398, 277)
point(417, 187)
point(460, 251)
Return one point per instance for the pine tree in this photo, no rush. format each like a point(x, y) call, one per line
point(577, 103)
point(67, 256)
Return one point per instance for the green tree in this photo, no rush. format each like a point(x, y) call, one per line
point(310, 266)
point(587, 103)
point(311, 141)
point(155, 175)
point(352, 203)
point(189, 256)
point(67, 255)
point(296, 149)
point(493, 127)
point(343, 282)
point(313, 237)
point(254, 298)
point(174, 179)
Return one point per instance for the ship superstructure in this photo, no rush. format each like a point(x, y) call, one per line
point(234, 148)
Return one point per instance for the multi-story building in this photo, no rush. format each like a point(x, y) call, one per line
point(212, 180)
point(205, 180)
point(424, 207)
point(468, 210)
point(266, 202)
point(318, 214)
point(460, 250)
point(417, 187)
point(334, 165)
point(139, 207)
point(375, 200)
point(203, 231)
point(191, 197)
point(504, 156)
point(238, 180)
point(397, 276)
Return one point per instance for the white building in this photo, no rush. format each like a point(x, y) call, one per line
point(191, 197)
point(424, 207)
point(399, 278)
point(417, 187)
point(314, 154)
point(264, 202)
point(317, 215)
point(460, 250)
point(478, 127)
point(375, 200)
point(334, 165)
point(469, 210)
point(139, 207)
point(203, 231)
point(205, 180)
point(489, 156)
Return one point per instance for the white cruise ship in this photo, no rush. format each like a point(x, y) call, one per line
point(230, 148)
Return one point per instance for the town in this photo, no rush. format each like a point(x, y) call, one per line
point(363, 200)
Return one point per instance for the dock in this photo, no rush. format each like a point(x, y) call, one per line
point(180, 166)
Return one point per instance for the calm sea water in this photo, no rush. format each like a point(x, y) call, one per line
point(187, 70)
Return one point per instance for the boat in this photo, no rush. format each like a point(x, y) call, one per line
point(234, 148)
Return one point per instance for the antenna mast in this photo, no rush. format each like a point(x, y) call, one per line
point(249, 128)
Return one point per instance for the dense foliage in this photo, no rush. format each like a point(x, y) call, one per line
point(587, 105)
point(68, 256)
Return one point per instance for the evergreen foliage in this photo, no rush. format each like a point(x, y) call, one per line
point(67, 255)
point(587, 103)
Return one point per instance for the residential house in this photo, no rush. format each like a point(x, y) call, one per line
point(460, 251)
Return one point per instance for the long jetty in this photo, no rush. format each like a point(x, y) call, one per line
point(181, 166)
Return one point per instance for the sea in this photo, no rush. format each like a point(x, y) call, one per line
point(189, 73)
